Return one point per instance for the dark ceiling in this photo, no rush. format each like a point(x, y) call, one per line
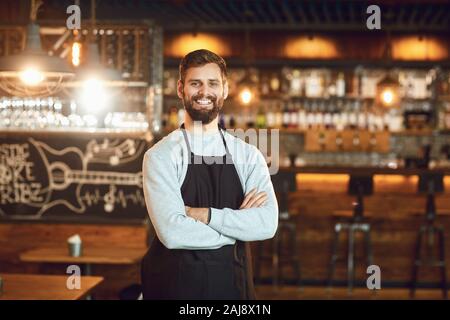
point(215, 15)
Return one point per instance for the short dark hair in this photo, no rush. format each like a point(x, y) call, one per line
point(199, 58)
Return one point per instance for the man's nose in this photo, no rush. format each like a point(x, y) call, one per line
point(204, 90)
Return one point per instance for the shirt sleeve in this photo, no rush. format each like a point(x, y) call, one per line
point(255, 223)
point(167, 213)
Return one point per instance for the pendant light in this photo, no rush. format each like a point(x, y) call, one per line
point(33, 72)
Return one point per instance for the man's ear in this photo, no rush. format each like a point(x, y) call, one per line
point(225, 90)
point(180, 89)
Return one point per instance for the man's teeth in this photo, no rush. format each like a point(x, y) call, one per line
point(203, 101)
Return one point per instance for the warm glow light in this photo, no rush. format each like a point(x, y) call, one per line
point(387, 96)
point(322, 177)
point(185, 43)
point(315, 48)
point(246, 96)
point(94, 95)
point(411, 48)
point(31, 77)
point(76, 52)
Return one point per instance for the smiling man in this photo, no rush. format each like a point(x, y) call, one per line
point(208, 194)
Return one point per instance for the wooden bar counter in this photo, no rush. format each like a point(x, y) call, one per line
point(397, 212)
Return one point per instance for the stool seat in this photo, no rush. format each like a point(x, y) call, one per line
point(351, 227)
point(349, 213)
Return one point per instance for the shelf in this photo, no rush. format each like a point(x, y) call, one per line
point(414, 132)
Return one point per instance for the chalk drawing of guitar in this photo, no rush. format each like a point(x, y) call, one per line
point(67, 173)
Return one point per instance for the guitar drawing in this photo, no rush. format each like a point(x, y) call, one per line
point(67, 172)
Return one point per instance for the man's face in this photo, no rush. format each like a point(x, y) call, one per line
point(203, 92)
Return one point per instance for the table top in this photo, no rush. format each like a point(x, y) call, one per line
point(92, 255)
point(44, 287)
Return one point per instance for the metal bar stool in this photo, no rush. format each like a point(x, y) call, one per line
point(283, 182)
point(430, 183)
point(359, 185)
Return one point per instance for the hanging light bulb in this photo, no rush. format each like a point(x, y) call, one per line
point(388, 89)
point(246, 96)
point(31, 76)
point(76, 53)
point(23, 74)
point(388, 92)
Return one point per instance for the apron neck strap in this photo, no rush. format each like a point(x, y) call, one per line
point(189, 146)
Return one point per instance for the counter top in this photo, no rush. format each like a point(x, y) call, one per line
point(364, 170)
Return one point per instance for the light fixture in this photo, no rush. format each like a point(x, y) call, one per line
point(388, 92)
point(76, 53)
point(388, 89)
point(247, 88)
point(33, 72)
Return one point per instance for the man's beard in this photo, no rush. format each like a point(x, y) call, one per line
point(203, 115)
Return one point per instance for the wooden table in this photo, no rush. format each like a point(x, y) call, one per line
point(44, 287)
point(94, 255)
point(91, 255)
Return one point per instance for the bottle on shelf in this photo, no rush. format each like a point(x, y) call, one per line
point(293, 116)
point(279, 116)
point(301, 116)
point(340, 85)
point(286, 116)
point(270, 118)
point(261, 118)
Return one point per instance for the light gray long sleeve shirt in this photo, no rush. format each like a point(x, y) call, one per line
point(164, 169)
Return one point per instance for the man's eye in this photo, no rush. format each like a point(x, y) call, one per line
point(194, 84)
point(214, 84)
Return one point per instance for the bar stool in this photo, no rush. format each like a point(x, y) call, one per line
point(430, 183)
point(359, 185)
point(283, 182)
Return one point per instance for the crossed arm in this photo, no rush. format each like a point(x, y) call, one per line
point(253, 199)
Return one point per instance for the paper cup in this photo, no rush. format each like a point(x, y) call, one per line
point(75, 249)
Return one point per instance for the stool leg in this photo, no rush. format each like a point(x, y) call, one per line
point(368, 247)
point(350, 258)
point(295, 257)
point(442, 260)
point(280, 255)
point(260, 248)
point(334, 256)
point(275, 259)
point(417, 260)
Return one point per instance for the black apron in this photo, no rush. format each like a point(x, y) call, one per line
point(223, 273)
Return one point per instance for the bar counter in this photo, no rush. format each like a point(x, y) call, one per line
point(396, 210)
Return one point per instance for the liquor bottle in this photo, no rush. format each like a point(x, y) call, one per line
point(270, 119)
point(327, 118)
point(222, 120)
point(274, 83)
point(173, 118)
point(293, 115)
point(232, 122)
point(340, 85)
point(265, 87)
point(286, 116)
point(279, 116)
point(261, 118)
point(301, 116)
point(296, 84)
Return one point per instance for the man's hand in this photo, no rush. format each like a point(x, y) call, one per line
point(253, 200)
point(200, 214)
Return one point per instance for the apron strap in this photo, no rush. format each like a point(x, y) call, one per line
point(189, 146)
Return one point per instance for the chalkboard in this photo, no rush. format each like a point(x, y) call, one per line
point(71, 178)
